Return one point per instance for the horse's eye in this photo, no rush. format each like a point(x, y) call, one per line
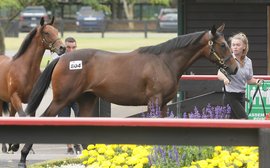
point(46, 33)
point(223, 45)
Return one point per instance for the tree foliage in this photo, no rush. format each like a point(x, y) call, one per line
point(129, 6)
point(98, 5)
point(18, 5)
point(9, 4)
point(161, 2)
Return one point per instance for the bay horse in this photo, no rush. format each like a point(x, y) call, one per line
point(19, 73)
point(135, 78)
point(141, 76)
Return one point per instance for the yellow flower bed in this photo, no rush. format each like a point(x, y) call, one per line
point(136, 156)
point(240, 156)
point(116, 156)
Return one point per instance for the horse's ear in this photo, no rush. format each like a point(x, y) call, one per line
point(42, 21)
point(221, 28)
point(213, 30)
point(51, 23)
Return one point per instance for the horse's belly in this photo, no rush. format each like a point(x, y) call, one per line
point(127, 102)
point(125, 99)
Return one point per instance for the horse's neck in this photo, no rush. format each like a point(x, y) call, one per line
point(182, 59)
point(33, 55)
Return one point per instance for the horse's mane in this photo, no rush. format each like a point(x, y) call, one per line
point(25, 43)
point(170, 45)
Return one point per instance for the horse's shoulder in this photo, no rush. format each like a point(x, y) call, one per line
point(5, 59)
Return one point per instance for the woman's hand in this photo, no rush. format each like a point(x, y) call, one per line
point(259, 82)
point(223, 78)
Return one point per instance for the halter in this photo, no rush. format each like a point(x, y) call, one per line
point(221, 61)
point(49, 44)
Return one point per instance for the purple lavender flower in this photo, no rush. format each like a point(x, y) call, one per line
point(162, 155)
point(183, 156)
point(150, 160)
point(171, 115)
point(176, 155)
point(209, 112)
point(185, 115)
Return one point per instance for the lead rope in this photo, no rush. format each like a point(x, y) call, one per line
point(254, 95)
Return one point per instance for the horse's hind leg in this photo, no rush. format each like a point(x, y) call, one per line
point(54, 108)
point(13, 111)
point(24, 153)
point(87, 103)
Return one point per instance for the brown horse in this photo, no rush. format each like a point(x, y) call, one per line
point(135, 78)
point(19, 73)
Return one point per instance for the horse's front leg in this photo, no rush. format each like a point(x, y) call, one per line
point(164, 110)
point(24, 152)
point(4, 147)
point(17, 104)
point(13, 111)
point(156, 102)
point(13, 147)
point(4, 108)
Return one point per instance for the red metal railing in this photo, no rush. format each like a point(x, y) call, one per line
point(135, 122)
point(214, 77)
point(200, 132)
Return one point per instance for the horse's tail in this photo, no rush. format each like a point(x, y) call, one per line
point(5, 108)
point(40, 87)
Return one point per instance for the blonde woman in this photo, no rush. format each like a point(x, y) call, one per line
point(234, 90)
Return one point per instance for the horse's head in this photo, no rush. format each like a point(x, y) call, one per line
point(50, 39)
point(220, 52)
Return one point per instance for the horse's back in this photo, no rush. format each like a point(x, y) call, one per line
point(90, 62)
point(112, 76)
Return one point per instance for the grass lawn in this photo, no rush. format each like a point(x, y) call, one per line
point(112, 41)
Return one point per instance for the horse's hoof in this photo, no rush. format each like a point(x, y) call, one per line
point(4, 148)
point(21, 165)
point(15, 147)
point(22, 114)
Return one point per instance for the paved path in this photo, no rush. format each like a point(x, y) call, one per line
point(43, 152)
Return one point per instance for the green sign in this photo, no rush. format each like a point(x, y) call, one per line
point(257, 112)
